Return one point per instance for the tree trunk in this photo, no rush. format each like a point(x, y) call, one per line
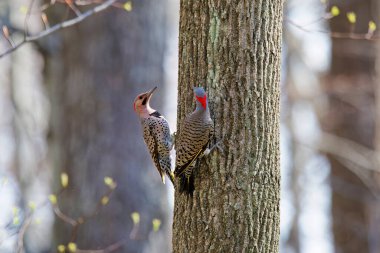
point(351, 90)
point(106, 62)
point(233, 49)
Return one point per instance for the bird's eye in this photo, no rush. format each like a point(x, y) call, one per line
point(140, 97)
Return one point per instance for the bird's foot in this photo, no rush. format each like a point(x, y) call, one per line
point(216, 145)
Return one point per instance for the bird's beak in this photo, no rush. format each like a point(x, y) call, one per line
point(151, 92)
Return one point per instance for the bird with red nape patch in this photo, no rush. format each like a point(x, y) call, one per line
point(194, 136)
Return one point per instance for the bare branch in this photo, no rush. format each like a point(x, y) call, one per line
point(134, 232)
point(99, 205)
point(20, 239)
point(354, 152)
point(28, 12)
point(45, 20)
point(7, 36)
point(360, 160)
point(74, 222)
point(57, 27)
point(338, 35)
point(360, 155)
point(364, 175)
point(73, 7)
point(64, 217)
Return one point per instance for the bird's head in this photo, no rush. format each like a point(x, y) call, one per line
point(201, 96)
point(141, 103)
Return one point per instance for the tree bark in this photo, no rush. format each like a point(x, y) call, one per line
point(233, 49)
point(94, 73)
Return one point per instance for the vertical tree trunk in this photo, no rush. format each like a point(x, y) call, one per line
point(107, 61)
point(233, 49)
point(351, 89)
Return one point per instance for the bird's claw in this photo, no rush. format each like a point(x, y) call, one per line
point(216, 145)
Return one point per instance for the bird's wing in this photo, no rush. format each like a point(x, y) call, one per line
point(191, 144)
point(152, 143)
point(181, 169)
point(162, 129)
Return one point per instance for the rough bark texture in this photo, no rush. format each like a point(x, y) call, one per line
point(101, 65)
point(233, 49)
point(351, 94)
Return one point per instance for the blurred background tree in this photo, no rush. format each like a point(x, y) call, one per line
point(93, 72)
point(350, 88)
point(330, 112)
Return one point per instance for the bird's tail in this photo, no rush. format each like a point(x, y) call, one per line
point(186, 183)
point(165, 164)
point(171, 176)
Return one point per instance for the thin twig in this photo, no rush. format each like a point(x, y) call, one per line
point(359, 159)
point(39, 206)
point(99, 205)
point(7, 36)
point(76, 222)
point(88, 2)
point(73, 7)
point(364, 157)
point(134, 232)
point(354, 152)
point(26, 20)
point(20, 239)
point(337, 35)
point(64, 217)
point(60, 26)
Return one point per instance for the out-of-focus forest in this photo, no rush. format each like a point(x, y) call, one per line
point(75, 175)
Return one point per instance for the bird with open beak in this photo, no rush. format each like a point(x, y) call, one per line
point(156, 133)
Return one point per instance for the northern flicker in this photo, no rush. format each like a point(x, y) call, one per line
point(156, 133)
point(193, 138)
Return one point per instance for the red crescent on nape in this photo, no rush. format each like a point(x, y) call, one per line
point(203, 101)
